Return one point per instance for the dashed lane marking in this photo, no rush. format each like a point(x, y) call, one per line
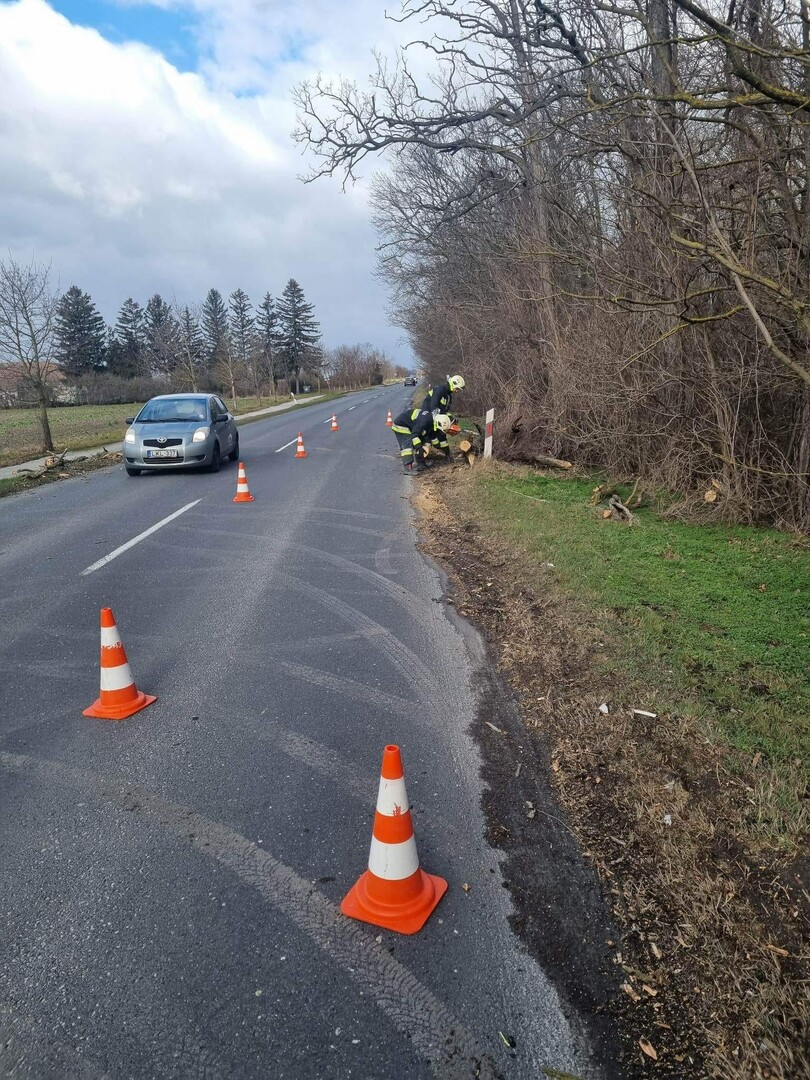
point(137, 539)
point(286, 444)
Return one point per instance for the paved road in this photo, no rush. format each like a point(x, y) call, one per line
point(169, 885)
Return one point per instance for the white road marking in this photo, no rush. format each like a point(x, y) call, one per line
point(353, 407)
point(137, 539)
point(365, 400)
point(286, 444)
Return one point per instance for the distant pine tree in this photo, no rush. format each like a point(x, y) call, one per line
point(190, 351)
point(243, 336)
point(215, 328)
point(160, 337)
point(80, 335)
point(127, 356)
point(299, 332)
point(242, 324)
point(267, 329)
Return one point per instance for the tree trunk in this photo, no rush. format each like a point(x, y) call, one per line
point(47, 441)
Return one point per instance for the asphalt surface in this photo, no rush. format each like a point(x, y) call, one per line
point(170, 884)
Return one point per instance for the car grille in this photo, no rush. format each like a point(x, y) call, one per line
point(162, 445)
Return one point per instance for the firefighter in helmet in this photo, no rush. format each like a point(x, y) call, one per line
point(413, 428)
point(439, 401)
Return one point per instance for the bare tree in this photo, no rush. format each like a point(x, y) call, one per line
point(28, 308)
point(602, 214)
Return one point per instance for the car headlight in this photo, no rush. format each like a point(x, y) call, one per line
point(130, 436)
point(201, 434)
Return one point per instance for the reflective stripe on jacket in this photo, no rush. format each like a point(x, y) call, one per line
point(416, 422)
point(439, 399)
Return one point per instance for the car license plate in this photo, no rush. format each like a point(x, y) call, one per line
point(162, 453)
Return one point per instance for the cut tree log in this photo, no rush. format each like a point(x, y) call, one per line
point(466, 448)
point(549, 462)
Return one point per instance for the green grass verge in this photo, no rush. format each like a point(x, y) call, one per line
point(717, 618)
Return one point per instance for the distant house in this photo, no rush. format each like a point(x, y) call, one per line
point(16, 391)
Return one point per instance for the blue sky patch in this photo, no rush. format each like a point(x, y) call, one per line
point(168, 32)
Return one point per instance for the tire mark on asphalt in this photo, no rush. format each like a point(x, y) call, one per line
point(415, 670)
point(435, 1033)
point(299, 644)
point(417, 604)
point(349, 513)
point(379, 534)
point(348, 688)
point(330, 764)
point(24, 1044)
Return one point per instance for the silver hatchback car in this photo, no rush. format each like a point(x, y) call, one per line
point(180, 429)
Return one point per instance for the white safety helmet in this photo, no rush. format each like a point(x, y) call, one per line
point(456, 382)
point(442, 422)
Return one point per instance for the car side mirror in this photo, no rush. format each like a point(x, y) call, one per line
point(130, 420)
point(220, 419)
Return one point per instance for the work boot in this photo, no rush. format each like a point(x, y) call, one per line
point(419, 466)
point(407, 467)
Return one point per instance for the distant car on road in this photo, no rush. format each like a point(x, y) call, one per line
point(410, 381)
point(193, 430)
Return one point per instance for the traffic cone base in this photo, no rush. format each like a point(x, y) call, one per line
point(103, 711)
point(242, 489)
point(119, 697)
point(405, 908)
point(394, 892)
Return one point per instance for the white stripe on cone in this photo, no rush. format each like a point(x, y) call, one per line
point(392, 798)
point(116, 678)
point(393, 861)
point(110, 637)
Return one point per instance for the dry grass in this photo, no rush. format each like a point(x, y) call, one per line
point(714, 914)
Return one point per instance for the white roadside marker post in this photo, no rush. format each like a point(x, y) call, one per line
point(488, 421)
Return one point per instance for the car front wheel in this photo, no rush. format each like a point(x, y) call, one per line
point(234, 454)
point(131, 471)
point(215, 458)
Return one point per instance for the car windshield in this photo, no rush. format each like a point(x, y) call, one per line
point(166, 410)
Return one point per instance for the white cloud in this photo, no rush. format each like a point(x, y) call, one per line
point(134, 177)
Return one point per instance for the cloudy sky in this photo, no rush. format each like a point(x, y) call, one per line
point(144, 147)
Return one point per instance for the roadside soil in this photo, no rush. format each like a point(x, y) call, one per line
point(634, 883)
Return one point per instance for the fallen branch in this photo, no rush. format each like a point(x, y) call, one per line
point(619, 512)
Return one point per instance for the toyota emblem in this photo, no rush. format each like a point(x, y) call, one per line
point(162, 440)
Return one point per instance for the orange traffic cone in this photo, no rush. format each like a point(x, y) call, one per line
point(334, 426)
point(119, 696)
point(393, 892)
point(300, 452)
point(242, 489)
point(390, 421)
